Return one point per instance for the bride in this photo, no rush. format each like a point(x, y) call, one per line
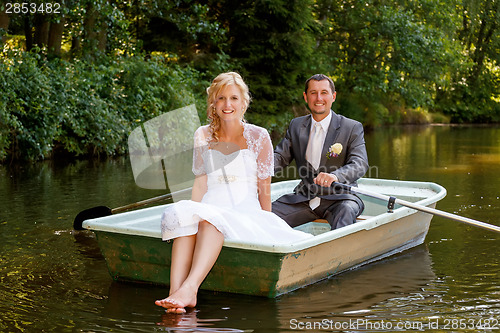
point(231, 196)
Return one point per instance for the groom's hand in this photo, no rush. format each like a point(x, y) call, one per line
point(325, 179)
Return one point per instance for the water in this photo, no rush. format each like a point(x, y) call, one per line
point(54, 279)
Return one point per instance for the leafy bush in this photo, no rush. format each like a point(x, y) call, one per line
point(55, 106)
point(31, 122)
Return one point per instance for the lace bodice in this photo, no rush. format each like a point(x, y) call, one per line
point(258, 143)
point(231, 202)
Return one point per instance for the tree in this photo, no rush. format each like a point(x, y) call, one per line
point(270, 43)
point(479, 34)
point(473, 94)
point(376, 48)
point(4, 22)
point(41, 25)
point(92, 27)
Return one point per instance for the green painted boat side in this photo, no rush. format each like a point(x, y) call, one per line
point(146, 259)
point(269, 274)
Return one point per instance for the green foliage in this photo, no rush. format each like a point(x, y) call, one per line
point(126, 62)
point(472, 94)
point(271, 42)
point(378, 49)
point(26, 107)
point(368, 111)
point(77, 107)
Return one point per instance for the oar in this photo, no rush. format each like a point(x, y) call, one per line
point(101, 211)
point(466, 220)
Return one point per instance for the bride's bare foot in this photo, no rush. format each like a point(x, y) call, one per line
point(176, 310)
point(184, 297)
point(167, 303)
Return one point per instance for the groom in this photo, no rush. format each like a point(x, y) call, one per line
point(327, 148)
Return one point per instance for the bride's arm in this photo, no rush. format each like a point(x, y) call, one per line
point(264, 191)
point(200, 182)
point(199, 188)
point(265, 168)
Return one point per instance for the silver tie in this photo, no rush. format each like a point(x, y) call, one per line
point(313, 155)
point(314, 146)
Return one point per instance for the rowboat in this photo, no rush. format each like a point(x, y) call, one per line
point(131, 243)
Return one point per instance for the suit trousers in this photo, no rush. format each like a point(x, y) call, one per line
point(338, 213)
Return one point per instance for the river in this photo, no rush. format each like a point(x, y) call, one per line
point(54, 279)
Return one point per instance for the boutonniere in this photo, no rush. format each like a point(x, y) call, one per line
point(334, 150)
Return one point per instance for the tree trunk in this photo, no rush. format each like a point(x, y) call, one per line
point(102, 37)
point(4, 23)
point(42, 27)
point(76, 46)
point(55, 37)
point(483, 39)
point(89, 30)
point(27, 33)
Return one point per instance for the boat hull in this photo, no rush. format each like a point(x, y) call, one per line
point(270, 271)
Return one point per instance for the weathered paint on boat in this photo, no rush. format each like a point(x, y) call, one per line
point(131, 244)
point(146, 259)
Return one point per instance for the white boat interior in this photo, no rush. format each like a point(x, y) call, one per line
point(146, 222)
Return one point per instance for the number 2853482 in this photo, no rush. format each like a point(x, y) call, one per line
point(32, 8)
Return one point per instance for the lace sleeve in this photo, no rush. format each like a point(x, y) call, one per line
point(259, 142)
point(199, 147)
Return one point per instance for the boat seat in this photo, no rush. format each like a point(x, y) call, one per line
point(359, 218)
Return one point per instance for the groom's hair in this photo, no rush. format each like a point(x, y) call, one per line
point(320, 77)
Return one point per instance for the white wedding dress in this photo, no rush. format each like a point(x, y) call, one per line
point(231, 202)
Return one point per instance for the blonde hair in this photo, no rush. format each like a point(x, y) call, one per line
point(218, 84)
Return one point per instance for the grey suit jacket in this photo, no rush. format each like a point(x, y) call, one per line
point(349, 166)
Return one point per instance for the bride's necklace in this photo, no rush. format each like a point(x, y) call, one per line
point(226, 147)
point(228, 143)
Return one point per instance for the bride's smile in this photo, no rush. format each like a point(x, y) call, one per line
point(229, 103)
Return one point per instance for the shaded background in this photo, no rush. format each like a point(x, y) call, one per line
point(79, 81)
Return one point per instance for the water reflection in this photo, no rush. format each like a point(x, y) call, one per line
point(54, 279)
point(353, 294)
point(349, 295)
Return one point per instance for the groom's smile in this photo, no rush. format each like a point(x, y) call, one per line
point(319, 98)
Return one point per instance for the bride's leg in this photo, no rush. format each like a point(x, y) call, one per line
point(182, 257)
point(208, 245)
